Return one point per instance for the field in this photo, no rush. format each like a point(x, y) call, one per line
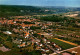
point(67, 42)
point(63, 45)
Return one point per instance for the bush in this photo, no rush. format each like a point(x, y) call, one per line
point(33, 27)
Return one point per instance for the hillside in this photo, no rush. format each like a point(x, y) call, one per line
point(15, 10)
point(11, 10)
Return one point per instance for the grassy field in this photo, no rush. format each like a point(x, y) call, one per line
point(63, 45)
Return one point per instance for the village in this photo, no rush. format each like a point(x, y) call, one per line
point(29, 33)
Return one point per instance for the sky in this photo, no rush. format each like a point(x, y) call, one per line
point(66, 3)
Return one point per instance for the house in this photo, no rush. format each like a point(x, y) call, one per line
point(37, 40)
point(17, 41)
point(37, 48)
point(54, 44)
point(40, 44)
point(77, 36)
point(26, 34)
point(43, 53)
point(43, 50)
point(22, 45)
point(46, 50)
point(48, 42)
point(15, 30)
point(7, 32)
point(44, 40)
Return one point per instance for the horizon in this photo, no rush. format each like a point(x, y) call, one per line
point(38, 6)
point(62, 3)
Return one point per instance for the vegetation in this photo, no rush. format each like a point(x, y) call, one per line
point(62, 27)
point(3, 29)
point(28, 22)
point(71, 40)
point(33, 27)
point(15, 10)
point(35, 35)
point(55, 18)
point(62, 44)
point(11, 10)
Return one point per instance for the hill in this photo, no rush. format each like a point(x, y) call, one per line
point(11, 10)
point(16, 10)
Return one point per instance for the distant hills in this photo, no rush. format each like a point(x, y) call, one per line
point(13, 10)
point(63, 9)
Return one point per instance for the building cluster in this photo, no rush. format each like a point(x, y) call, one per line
point(23, 28)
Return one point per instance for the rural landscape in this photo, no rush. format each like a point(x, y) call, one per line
point(39, 30)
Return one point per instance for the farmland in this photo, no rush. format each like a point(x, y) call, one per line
point(62, 44)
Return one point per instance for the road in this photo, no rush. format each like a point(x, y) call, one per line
point(65, 50)
point(55, 51)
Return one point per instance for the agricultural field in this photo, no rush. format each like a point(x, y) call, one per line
point(62, 44)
